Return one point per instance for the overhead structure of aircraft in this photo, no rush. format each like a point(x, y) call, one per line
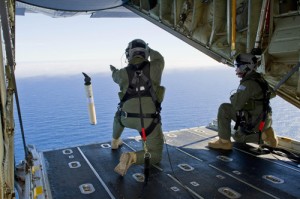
point(269, 29)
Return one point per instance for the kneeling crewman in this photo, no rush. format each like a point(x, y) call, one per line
point(249, 108)
point(140, 103)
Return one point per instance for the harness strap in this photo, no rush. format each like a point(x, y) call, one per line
point(152, 92)
point(147, 155)
point(134, 77)
point(238, 120)
point(266, 103)
point(138, 115)
point(134, 87)
point(151, 127)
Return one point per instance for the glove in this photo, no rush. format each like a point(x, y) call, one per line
point(112, 68)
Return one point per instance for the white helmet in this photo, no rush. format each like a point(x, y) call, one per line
point(246, 62)
point(137, 47)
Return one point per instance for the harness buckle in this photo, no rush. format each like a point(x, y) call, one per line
point(147, 155)
point(119, 108)
point(124, 114)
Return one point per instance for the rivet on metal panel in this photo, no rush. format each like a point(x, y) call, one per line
point(67, 151)
point(220, 177)
point(224, 158)
point(228, 192)
point(195, 184)
point(139, 177)
point(237, 172)
point(105, 146)
point(74, 164)
point(273, 179)
point(175, 188)
point(86, 188)
point(186, 167)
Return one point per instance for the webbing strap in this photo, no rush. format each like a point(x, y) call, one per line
point(151, 127)
point(153, 95)
point(131, 90)
point(147, 155)
point(138, 115)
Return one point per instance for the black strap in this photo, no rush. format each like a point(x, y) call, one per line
point(238, 120)
point(134, 85)
point(147, 159)
point(152, 126)
point(152, 92)
point(266, 92)
point(134, 76)
point(138, 115)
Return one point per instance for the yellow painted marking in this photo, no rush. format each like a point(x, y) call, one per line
point(37, 191)
point(34, 169)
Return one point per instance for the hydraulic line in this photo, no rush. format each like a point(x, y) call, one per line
point(233, 26)
point(11, 63)
point(147, 155)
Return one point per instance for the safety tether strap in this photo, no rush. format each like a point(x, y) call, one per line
point(147, 155)
point(266, 101)
point(157, 104)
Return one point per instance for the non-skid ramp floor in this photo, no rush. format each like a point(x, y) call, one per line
point(263, 172)
point(188, 170)
point(70, 176)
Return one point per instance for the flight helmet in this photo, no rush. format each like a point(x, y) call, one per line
point(137, 47)
point(245, 62)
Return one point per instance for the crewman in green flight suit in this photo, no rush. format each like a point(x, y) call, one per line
point(249, 108)
point(140, 103)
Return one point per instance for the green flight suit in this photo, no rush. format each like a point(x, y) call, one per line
point(248, 98)
point(155, 139)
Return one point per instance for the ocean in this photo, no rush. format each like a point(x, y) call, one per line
point(55, 112)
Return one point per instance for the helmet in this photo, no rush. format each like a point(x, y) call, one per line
point(137, 47)
point(245, 62)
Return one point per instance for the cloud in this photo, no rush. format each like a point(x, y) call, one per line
point(25, 69)
point(73, 45)
point(58, 68)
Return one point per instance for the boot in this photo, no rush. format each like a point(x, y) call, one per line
point(220, 144)
point(115, 143)
point(126, 160)
point(269, 137)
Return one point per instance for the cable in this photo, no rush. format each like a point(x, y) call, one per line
point(284, 153)
point(172, 170)
point(121, 60)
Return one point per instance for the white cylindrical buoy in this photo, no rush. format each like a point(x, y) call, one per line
point(90, 98)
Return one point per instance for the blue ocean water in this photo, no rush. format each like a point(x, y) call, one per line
point(55, 113)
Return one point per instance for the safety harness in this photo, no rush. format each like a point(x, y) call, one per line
point(140, 86)
point(241, 119)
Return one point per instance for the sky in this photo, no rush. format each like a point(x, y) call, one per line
point(59, 46)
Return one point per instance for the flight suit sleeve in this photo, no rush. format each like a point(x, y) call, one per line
point(117, 75)
point(157, 62)
point(120, 77)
